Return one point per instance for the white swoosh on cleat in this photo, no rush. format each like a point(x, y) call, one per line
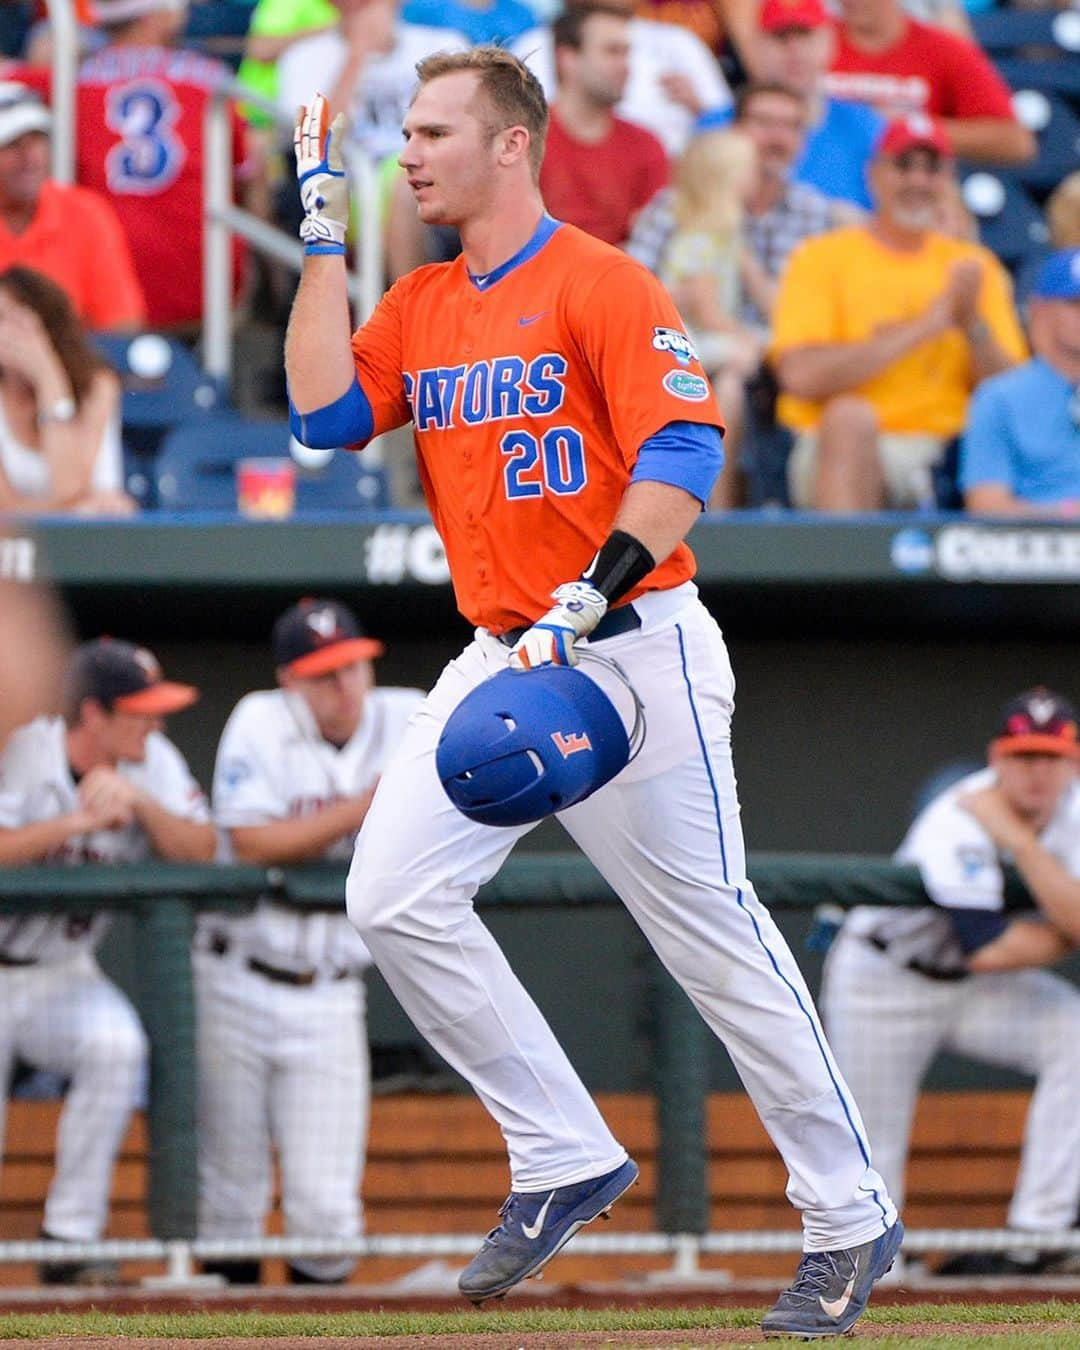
point(835, 1307)
point(532, 1231)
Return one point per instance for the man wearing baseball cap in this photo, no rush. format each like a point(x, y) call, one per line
point(1021, 449)
point(70, 234)
point(965, 975)
point(880, 332)
point(101, 784)
point(795, 46)
point(283, 1058)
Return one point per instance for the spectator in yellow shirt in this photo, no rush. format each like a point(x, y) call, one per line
point(882, 330)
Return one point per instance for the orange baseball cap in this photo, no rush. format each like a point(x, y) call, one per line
point(315, 637)
point(1040, 722)
point(125, 678)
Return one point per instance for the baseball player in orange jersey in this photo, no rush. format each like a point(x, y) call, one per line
point(567, 439)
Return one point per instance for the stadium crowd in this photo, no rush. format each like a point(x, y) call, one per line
point(740, 150)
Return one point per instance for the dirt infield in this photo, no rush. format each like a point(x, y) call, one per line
point(535, 1340)
point(299, 1300)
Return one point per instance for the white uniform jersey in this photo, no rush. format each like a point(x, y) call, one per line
point(961, 870)
point(36, 783)
point(656, 49)
point(273, 764)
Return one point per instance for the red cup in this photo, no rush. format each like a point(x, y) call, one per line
point(266, 488)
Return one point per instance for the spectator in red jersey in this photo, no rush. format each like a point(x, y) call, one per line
point(598, 170)
point(902, 66)
point(69, 234)
point(140, 108)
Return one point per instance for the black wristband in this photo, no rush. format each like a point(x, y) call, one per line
point(622, 562)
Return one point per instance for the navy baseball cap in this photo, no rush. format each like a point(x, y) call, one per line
point(1059, 276)
point(317, 636)
point(1038, 721)
point(124, 678)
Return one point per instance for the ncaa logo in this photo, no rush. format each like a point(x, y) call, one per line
point(568, 745)
point(676, 344)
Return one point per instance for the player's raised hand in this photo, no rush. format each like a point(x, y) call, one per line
point(320, 168)
point(550, 641)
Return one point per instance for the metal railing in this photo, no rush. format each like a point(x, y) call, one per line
point(166, 898)
point(222, 218)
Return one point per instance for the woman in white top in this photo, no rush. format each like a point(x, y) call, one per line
point(60, 445)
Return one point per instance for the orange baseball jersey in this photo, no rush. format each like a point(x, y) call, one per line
point(531, 391)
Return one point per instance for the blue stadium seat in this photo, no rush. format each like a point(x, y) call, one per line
point(1033, 49)
point(1006, 31)
point(1052, 76)
point(344, 483)
point(163, 385)
point(1009, 222)
point(1056, 128)
point(218, 28)
point(196, 468)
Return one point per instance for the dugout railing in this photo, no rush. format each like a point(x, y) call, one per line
point(165, 899)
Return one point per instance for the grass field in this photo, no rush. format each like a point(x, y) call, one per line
point(1045, 1326)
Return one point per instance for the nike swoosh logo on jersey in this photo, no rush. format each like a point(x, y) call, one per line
point(527, 319)
point(835, 1307)
point(532, 1230)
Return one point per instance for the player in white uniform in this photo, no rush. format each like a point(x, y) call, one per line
point(283, 1057)
point(902, 984)
point(100, 785)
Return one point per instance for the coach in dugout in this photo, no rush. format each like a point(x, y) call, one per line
point(880, 332)
point(965, 974)
point(102, 784)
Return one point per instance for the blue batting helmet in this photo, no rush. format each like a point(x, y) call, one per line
point(525, 744)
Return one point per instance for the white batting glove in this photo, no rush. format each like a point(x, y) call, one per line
point(550, 641)
point(324, 190)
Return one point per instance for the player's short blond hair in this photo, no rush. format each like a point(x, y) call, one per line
point(512, 91)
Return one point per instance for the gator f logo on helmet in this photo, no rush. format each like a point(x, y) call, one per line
point(525, 744)
point(571, 744)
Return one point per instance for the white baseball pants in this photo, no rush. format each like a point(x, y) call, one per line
point(886, 1024)
point(287, 1068)
point(666, 835)
point(66, 1017)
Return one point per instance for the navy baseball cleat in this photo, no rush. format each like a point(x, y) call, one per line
point(831, 1289)
point(535, 1226)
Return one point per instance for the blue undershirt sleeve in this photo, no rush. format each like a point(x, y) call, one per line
point(688, 455)
point(349, 420)
point(975, 928)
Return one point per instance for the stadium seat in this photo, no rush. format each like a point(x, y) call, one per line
point(218, 28)
point(1009, 222)
point(196, 468)
point(1004, 31)
point(163, 385)
point(1056, 128)
point(1033, 49)
point(1051, 76)
point(343, 483)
